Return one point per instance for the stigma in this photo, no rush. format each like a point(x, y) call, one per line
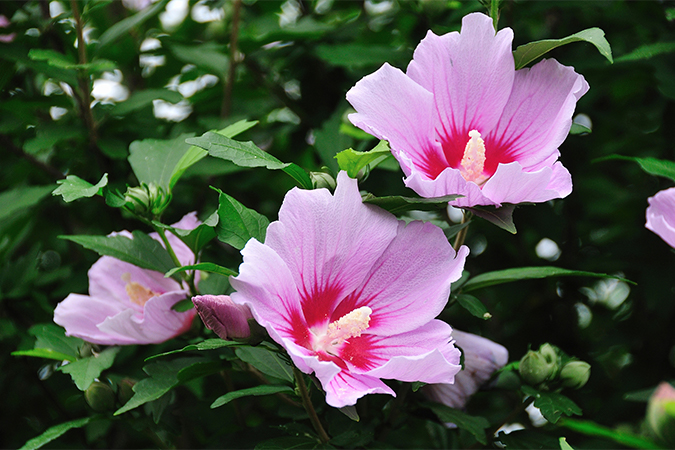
point(473, 162)
point(349, 326)
point(138, 294)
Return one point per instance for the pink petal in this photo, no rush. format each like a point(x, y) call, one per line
point(661, 215)
point(448, 182)
point(410, 283)
point(183, 252)
point(470, 75)
point(537, 117)
point(329, 243)
point(345, 389)
point(79, 315)
point(227, 319)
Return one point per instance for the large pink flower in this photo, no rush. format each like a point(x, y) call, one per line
point(127, 304)
point(351, 292)
point(661, 215)
point(462, 120)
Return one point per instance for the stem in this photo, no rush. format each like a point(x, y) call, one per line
point(461, 236)
point(190, 280)
point(307, 403)
point(494, 12)
point(234, 37)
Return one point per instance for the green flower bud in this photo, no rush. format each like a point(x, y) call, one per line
point(322, 180)
point(100, 396)
point(125, 390)
point(661, 413)
point(147, 199)
point(537, 367)
point(575, 374)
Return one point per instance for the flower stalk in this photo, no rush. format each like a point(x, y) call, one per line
point(307, 403)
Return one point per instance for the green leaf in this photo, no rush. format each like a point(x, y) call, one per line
point(52, 337)
point(121, 28)
point(355, 55)
point(329, 141)
point(474, 306)
point(141, 251)
point(552, 404)
point(620, 436)
point(208, 344)
point(74, 187)
point(155, 160)
point(266, 361)
point(206, 266)
point(299, 175)
point(653, 166)
point(577, 128)
point(196, 238)
point(209, 56)
point(52, 57)
point(19, 199)
point(144, 98)
point(397, 204)
point(353, 161)
point(56, 431)
point(84, 371)
point(528, 273)
point(502, 217)
point(265, 389)
point(564, 445)
point(44, 353)
point(237, 223)
point(527, 53)
point(164, 376)
point(473, 424)
point(648, 51)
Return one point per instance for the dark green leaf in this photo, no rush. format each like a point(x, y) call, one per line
point(207, 267)
point(552, 404)
point(328, 141)
point(84, 371)
point(648, 51)
point(473, 424)
point(527, 53)
point(74, 187)
point(55, 432)
point(397, 204)
point(209, 56)
point(620, 436)
point(19, 199)
point(52, 57)
point(141, 251)
point(198, 237)
point(527, 439)
point(121, 28)
point(299, 175)
point(528, 273)
point(502, 217)
point(52, 337)
point(417, 385)
point(474, 306)
point(208, 344)
point(155, 160)
point(44, 353)
point(353, 161)
point(265, 389)
point(266, 361)
point(237, 223)
point(244, 154)
point(653, 166)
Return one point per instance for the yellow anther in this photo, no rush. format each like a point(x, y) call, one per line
point(473, 161)
point(137, 293)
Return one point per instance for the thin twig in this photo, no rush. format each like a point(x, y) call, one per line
point(461, 236)
point(307, 403)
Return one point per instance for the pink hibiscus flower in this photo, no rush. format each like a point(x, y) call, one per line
point(129, 305)
point(221, 315)
point(661, 215)
point(462, 120)
point(351, 292)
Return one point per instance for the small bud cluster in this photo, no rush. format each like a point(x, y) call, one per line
point(147, 200)
point(550, 365)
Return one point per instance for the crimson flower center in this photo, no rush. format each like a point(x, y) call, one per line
point(349, 326)
point(473, 162)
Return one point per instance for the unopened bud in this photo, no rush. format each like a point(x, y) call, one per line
point(537, 367)
point(661, 413)
point(575, 374)
point(220, 314)
point(147, 199)
point(125, 390)
point(322, 180)
point(100, 396)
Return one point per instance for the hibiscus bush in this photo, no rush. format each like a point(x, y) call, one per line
point(337, 224)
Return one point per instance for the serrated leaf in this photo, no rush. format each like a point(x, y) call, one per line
point(208, 344)
point(266, 361)
point(648, 51)
point(207, 267)
point(528, 273)
point(473, 424)
point(52, 337)
point(85, 370)
point(474, 306)
point(73, 187)
point(265, 389)
point(502, 217)
point(653, 166)
point(122, 27)
point(19, 199)
point(551, 404)
point(352, 161)
point(527, 53)
point(141, 251)
point(237, 223)
point(397, 204)
point(56, 431)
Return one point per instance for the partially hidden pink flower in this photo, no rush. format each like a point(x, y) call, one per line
point(482, 358)
point(351, 292)
point(661, 215)
point(224, 317)
point(129, 305)
point(463, 121)
point(4, 23)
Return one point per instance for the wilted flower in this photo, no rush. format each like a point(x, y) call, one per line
point(351, 292)
point(462, 120)
point(661, 215)
point(482, 358)
point(220, 314)
point(127, 304)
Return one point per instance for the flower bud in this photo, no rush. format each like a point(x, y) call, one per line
point(575, 374)
point(537, 367)
point(322, 180)
point(125, 390)
point(147, 199)
point(220, 314)
point(100, 396)
point(661, 413)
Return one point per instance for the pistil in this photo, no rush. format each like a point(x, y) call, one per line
point(473, 161)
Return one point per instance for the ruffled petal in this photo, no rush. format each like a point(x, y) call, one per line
point(410, 283)
point(448, 182)
point(661, 215)
point(328, 243)
point(79, 315)
point(345, 389)
point(537, 117)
